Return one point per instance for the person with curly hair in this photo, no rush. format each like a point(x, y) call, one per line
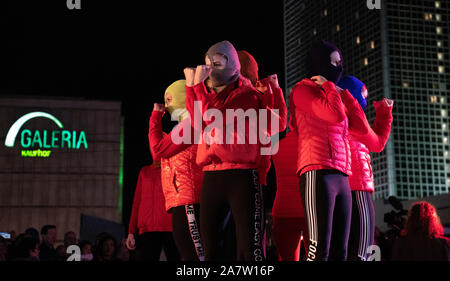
point(422, 239)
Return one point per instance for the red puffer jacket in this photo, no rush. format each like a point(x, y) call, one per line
point(288, 201)
point(181, 177)
point(280, 104)
point(148, 213)
point(322, 123)
point(374, 141)
point(211, 154)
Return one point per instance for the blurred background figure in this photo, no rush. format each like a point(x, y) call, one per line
point(47, 250)
point(105, 248)
point(26, 249)
point(3, 249)
point(70, 238)
point(86, 250)
point(149, 218)
point(422, 239)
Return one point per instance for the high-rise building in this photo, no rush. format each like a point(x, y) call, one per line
point(400, 51)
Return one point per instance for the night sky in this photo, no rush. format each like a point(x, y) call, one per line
point(129, 51)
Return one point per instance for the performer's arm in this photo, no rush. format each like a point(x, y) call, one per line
point(326, 106)
point(162, 146)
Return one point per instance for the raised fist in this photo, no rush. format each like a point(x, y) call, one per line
point(319, 80)
point(189, 74)
point(158, 107)
point(201, 73)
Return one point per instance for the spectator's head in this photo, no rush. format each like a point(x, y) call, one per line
point(123, 253)
point(33, 232)
point(86, 250)
point(28, 248)
point(61, 253)
point(70, 238)
point(3, 248)
point(423, 219)
point(106, 248)
point(48, 233)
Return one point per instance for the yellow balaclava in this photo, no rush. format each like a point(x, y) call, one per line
point(178, 93)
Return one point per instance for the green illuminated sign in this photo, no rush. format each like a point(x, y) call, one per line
point(43, 139)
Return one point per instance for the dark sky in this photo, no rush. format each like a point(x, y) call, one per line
point(128, 51)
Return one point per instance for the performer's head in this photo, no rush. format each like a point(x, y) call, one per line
point(356, 88)
point(249, 66)
point(423, 219)
point(175, 100)
point(224, 62)
point(324, 59)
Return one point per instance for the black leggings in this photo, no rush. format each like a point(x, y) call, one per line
point(150, 244)
point(362, 228)
point(240, 191)
point(327, 201)
point(186, 232)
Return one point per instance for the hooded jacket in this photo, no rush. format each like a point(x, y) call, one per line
point(181, 177)
point(373, 141)
point(321, 116)
point(215, 152)
point(148, 213)
point(274, 99)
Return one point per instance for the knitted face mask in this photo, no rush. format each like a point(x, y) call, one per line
point(229, 74)
point(356, 88)
point(318, 61)
point(249, 66)
point(178, 93)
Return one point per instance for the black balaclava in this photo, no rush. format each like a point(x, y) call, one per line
point(318, 61)
point(221, 77)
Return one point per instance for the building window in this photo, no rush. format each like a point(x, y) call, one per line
point(338, 28)
point(439, 43)
point(366, 61)
point(441, 69)
point(439, 30)
point(405, 85)
point(325, 12)
point(358, 40)
point(357, 15)
point(433, 99)
point(437, 4)
point(440, 56)
point(438, 17)
point(314, 32)
point(428, 16)
point(372, 44)
point(444, 113)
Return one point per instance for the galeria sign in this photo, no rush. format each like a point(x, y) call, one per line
point(37, 143)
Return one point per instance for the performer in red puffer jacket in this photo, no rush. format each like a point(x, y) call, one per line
point(319, 111)
point(231, 175)
point(361, 181)
point(181, 176)
point(289, 222)
point(149, 218)
point(270, 88)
